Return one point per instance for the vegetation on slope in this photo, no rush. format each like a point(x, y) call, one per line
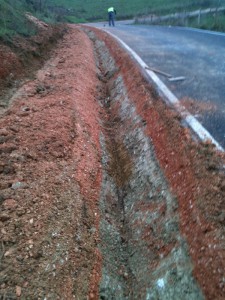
point(88, 10)
point(13, 21)
point(24, 43)
point(78, 11)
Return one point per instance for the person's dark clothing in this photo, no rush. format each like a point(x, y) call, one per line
point(111, 15)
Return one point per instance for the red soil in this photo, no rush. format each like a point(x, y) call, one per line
point(193, 171)
point(50, 144)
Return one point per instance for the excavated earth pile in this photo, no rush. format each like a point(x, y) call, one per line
point(103, 194)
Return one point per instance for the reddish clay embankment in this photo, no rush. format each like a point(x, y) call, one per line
point(50, 178)
point(21, 57)
point(51, 174)
point(195, 173)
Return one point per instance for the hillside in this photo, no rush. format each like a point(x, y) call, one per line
point(14, 22)
point(12, 18)
point(87, 10)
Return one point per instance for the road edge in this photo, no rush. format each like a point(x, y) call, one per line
point(200, 131)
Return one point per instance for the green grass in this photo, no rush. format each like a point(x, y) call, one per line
point(97, 10)
point(72, 19)
point(12, 20)
point(210, 22)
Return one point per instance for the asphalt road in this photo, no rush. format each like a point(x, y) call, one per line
point(197, 55)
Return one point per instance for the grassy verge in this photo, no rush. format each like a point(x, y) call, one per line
point(210, 22)
point(214, 21)
point(89, 10)
point(13, 21)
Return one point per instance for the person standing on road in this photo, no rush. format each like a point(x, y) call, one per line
point(111, 15)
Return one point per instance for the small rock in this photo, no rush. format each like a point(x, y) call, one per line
point(9, 252)
point(21, 212)
point(4, 217)
point(8, 149)
point(222, 185)
point(221, 217)
point(3, 139)
point(37, 254)
point(19, 258)
point(40, 88)
point(14, 129)
point(19, 185)
point(24, 114)
point(10, 204)
point(92, 230)
point(91, 296)
point(3, 231)
point(2, 198)
point(4, 185)
point(211, 166)
point(25, 108)
point(18, 291)
point(8, 169)
point(4, 132)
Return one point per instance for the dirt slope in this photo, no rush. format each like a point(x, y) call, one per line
point(52, 177)
point(50, 172)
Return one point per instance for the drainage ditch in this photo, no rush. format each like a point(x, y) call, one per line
point(144, 254)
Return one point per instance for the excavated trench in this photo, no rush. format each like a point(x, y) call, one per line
point(144, 255)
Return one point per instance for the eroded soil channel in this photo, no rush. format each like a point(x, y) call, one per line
point(144, 254)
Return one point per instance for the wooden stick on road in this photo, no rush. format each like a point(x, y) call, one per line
point(158, 71)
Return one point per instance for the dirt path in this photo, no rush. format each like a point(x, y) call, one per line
point(103, 194)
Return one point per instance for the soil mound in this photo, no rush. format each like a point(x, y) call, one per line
point(100, 185)
point(21, 57)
